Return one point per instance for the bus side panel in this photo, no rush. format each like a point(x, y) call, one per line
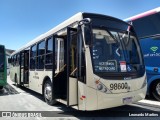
point(91, 99)
point(87, 97)
point(81, 96)
point(73, 84)
point(89, 70)
point(36, 79)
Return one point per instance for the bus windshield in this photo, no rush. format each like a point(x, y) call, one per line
point(1, 58)
point(115, 51)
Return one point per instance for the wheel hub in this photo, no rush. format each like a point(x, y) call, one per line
point(48, 92)
point(158, 89)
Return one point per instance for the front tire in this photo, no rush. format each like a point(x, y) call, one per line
point(155, 90)
point(48, 93)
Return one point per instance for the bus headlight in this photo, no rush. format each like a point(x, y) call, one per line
point(101, 87)
point(145, 82)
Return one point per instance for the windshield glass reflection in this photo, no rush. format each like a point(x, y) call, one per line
point(115, 52)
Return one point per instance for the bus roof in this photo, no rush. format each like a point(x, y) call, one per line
point(77, 17)
point(141, 15)
point(64, 24)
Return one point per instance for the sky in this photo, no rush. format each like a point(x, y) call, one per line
point(23, 20)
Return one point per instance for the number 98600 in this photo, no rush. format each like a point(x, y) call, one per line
point(118, 86)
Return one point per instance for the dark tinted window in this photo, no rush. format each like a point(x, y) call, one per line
point(146, 26)
point(14, 60)
point(41, 48)
point(17, 59)
point(40, 56)
point(33, 63)
point(33, 50)
point(49, 53)
point(40, 64)
point(49, 45)
point(33, 57)
point(22, 59)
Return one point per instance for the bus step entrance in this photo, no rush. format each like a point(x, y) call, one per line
point(26, 85)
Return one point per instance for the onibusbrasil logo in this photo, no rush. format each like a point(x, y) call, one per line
point(154, 48)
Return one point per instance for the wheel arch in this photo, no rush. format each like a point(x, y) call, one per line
point(150, 81)
point(151, 85)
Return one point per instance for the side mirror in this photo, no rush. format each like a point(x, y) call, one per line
point(85, 26)
point(88, 35)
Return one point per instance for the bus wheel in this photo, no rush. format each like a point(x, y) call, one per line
point(48, 93)
point(156, 90)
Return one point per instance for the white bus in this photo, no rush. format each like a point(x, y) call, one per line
point(88, 62)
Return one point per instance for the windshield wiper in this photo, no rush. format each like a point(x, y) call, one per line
point(115, 40)
point(128, 35)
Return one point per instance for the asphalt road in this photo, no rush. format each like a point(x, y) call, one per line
point(22, 103)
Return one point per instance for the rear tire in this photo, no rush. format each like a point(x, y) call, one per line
point(155, 90)
point(47, 92)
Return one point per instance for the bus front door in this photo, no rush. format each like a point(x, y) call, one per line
point(72, 81)
point(24, 68)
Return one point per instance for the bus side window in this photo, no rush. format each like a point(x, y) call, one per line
point(40, 54)
point(14, 62)
point(73, 57)
point(11, 61)
point(49, 53)
point(33, 55)
point(56, 53)
point(22, 59)
point(17, 60)
point(59, 54)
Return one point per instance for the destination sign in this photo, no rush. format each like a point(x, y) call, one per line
point(109, 66)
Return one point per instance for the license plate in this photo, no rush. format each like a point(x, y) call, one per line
point(127, 100)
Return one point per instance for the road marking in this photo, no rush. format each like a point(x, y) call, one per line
point(155, 103)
